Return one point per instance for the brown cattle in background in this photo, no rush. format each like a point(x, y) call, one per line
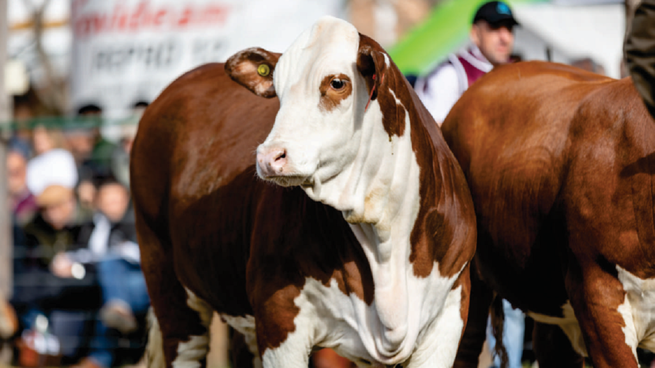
point(560, 164)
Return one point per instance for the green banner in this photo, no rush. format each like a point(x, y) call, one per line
point(447, 27)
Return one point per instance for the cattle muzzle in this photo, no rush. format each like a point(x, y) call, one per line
point(272, 163)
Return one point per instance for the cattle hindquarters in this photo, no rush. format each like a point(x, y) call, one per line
point(557, 160)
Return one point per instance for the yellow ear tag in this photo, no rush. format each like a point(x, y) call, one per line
point(263, 70)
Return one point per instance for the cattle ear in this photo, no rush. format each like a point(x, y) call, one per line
point(371, 64)
point(253, 68)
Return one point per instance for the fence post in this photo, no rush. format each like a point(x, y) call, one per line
point(6, 244)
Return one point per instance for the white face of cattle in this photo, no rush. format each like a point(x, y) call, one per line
point(317, 131)
point(314, 136)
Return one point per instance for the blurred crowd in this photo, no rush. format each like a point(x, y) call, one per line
point(79, 294)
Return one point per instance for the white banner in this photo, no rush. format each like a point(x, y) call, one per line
point(128, 51)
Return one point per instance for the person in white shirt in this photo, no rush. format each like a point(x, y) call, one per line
point(491, 44)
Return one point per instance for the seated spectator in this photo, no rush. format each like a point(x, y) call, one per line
point(113, 239)
point(112, 246)
point(52, 165)
point(44, 280)
point(21, 201)
point(53, 231)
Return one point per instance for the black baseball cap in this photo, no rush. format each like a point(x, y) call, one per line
point(495, 12)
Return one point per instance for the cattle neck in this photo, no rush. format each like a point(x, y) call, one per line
point(379, 196)
point(383, 189)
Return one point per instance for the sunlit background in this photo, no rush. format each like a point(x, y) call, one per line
point(115, 56)
point(115, 53)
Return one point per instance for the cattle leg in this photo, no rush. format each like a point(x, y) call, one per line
point(596, 295)
point(184, 331)
point(552, 347)
point(474, 336)
point(285, 333)
point(154, 354)
point(291, 353)
point(439, 348)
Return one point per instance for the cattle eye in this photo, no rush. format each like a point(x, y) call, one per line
point(337, 84)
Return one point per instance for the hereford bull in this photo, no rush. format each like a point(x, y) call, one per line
point(363, 245)
point(560, 165)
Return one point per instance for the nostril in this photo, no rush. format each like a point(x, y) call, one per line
point(281, 156)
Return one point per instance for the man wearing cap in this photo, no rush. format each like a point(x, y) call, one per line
point(492, 41)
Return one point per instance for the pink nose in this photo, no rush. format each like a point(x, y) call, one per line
point(271, 162)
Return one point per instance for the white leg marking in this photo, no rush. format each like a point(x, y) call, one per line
point(155, 348)
point(438, 343)
point(629, 328)
point(638, 310)
point(200, 306)
point(191, 352)
point(294, 351)
point(246, 326)
point(569, 324)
